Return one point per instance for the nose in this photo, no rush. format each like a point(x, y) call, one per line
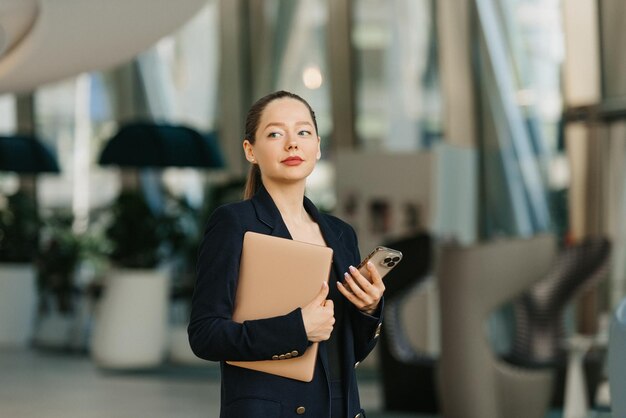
point(292, 143)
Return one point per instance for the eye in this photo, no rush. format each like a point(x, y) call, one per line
point(273, 135)
point(304, 133)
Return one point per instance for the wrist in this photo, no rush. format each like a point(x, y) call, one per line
point(370, 310)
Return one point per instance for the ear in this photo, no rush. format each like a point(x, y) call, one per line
point(319, 147)
point(248, 151)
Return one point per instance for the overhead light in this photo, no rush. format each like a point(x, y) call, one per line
point(312, 77)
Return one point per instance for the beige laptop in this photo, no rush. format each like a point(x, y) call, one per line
point(276, 276)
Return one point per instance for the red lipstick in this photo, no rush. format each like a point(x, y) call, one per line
point(292, 161)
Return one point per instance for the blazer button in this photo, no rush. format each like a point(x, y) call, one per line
point(358, 415)
point(294, 353)
point(275, 357)
point(288, 355)
point(300, 410)
point(357, 364)
point(281, 357)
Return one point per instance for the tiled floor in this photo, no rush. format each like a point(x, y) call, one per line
point(44, 384)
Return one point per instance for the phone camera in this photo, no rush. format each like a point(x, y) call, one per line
point(396, 259)
point(389, 261)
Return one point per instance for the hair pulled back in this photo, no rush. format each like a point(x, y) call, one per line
point(253, 181)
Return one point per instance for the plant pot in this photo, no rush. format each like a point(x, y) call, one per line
point(18, 304)
point(64, 330)
point(130, 330)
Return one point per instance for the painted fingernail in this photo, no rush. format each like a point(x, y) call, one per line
point(369, 264)
point(352, 268)
point(346, 275)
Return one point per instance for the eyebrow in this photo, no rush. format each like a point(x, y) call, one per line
point(282, 125)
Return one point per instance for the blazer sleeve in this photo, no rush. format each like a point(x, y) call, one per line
point(213, 335)
point(366, 327)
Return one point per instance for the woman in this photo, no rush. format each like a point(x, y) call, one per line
point(282, 144)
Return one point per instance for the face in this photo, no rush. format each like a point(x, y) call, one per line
point(286, 145)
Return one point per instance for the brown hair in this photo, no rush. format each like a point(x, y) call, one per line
point(253, 181)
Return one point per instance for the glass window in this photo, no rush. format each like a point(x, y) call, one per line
point(299, 54)
point(398, 103)
point(73, 117)
point(535, 39)
point(297, 62)
point(8, 181)
point(7, 114)
point(180, 73)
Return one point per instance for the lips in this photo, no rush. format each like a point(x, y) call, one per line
point(292, 161)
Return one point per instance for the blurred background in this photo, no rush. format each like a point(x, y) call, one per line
point(486, 139)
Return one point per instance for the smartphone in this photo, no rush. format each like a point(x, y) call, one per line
point(383, 258)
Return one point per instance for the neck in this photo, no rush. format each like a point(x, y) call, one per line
point(289, 201)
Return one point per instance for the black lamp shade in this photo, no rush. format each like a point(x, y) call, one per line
point(26, 155)
point(159, 145)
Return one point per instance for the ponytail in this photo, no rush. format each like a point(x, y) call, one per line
point(253, 181)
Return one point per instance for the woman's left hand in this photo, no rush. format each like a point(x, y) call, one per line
point(364, 294)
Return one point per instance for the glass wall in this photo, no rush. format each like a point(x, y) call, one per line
point(398, 101)
point(519, 59)
point(7, 114)
point(296, 55)
point(8, 181)
point(292, 55)
point(179, 75)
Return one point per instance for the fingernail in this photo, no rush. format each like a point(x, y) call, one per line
point(346, 275)
point(369, 263)
point(352, 268)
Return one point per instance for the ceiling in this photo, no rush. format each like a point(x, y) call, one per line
point(42, 41)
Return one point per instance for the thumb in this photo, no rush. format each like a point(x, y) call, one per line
point(321, 296)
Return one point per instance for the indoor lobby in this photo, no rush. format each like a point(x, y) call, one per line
point(484, 139)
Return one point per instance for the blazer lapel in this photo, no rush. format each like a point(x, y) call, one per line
point(268, 214)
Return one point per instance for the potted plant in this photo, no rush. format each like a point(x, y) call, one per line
point(131, 320)
point(19, 234)
point(67, 265)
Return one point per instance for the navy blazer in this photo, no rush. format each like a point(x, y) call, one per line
point(213, 335)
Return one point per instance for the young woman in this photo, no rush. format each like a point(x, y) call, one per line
point(282, 145)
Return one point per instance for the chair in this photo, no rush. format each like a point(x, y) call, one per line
point(539, 313)
point(617, 361)
point(408, 376)
point(474, 281)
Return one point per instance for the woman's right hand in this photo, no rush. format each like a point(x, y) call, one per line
point(319, 316)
